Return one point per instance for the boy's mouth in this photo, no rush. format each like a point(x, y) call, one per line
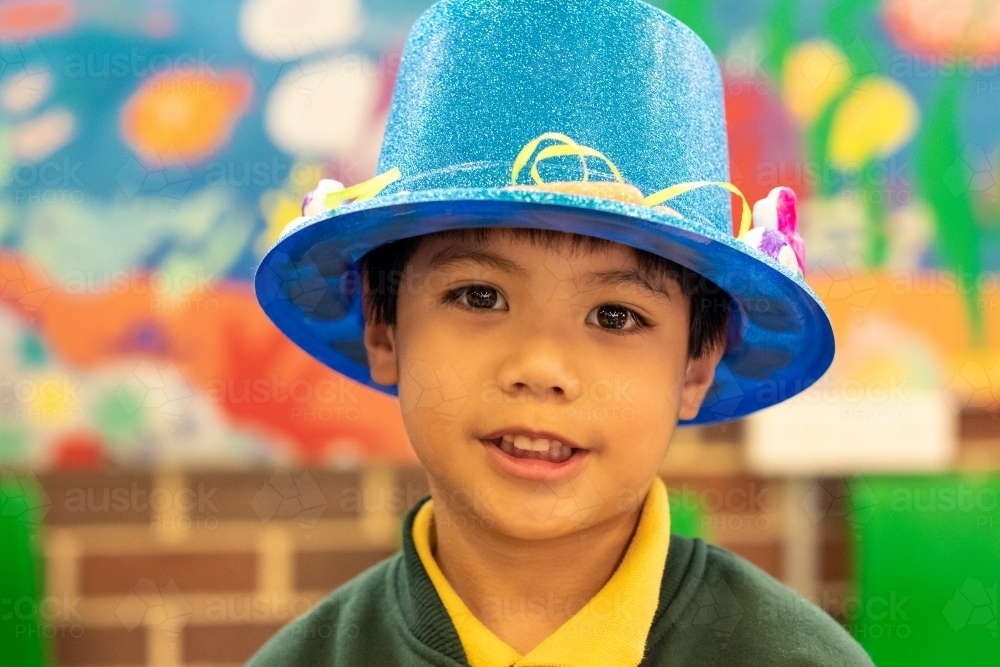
point(526, 453)
point(543, 449)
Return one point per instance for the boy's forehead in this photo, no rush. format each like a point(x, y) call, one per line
point(595, 261)
point(499, 240)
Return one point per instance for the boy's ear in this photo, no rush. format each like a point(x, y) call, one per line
point(380, 343)
point(698, 378)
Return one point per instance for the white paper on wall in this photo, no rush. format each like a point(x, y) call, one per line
point(819, 433)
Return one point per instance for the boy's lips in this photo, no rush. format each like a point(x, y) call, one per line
point(532, 468)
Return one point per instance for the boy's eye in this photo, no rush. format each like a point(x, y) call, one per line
point(479, 297)
point(615, 318)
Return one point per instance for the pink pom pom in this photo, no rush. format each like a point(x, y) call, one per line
point(788, 224)
point(779, 211)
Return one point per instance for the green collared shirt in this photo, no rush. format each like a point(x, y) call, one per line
point(714, 609)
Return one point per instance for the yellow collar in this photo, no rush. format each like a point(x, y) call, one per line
point(610, 630)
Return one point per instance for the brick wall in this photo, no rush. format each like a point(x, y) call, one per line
point(187, 567)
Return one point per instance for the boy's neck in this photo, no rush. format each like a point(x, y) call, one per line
point(505, 581)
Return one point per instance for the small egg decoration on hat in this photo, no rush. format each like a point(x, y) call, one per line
point(314, 202)
point(775, 229)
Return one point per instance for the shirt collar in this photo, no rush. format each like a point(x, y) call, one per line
point(611, 629)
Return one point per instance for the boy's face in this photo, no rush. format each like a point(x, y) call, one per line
point(534, 337)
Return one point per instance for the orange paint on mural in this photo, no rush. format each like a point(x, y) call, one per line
point(930, 304)
point(247, 368)
point(935, 28)
point(228, 350)
point(26, 19)
point(177, 118)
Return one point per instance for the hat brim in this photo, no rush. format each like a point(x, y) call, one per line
point(780, 341)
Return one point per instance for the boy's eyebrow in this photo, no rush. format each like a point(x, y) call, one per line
point(456, 254)
point(616, 277)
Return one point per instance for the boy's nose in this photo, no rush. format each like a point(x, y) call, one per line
point(541, 369)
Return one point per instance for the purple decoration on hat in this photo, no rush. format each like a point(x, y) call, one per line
point(771, 242)
point(778, 211)
point(307, 200)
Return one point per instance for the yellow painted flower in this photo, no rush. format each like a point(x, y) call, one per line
point(875, 121)
point(281, 205)
point(814, 72)
point(280, 208)
point(51, 399)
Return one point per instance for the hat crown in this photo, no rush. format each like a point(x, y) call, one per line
point(479, 79)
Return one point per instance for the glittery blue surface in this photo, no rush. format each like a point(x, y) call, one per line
point(479, 79)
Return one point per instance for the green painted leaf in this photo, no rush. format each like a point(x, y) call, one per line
point(779, 35)
point(941, 181)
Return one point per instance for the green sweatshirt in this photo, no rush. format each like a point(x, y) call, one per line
point(715, 608)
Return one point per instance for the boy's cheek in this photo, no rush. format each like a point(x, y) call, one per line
point(433, 389)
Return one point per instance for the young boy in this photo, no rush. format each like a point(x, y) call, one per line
point(545, 339)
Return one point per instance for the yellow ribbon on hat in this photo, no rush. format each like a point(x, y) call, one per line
point(364, 190)
point(373, 186)
point(570, 147)
point(746, 217)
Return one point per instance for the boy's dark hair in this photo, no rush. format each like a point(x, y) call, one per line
point(382, 271)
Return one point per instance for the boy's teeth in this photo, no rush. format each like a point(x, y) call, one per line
point(540, 445)
point(525, 447)
point(529, 444)
point(550, 449)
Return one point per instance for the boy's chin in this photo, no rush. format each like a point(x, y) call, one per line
point(546, 530)
point(540, 516)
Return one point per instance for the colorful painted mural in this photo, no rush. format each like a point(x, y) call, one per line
point(150, 150)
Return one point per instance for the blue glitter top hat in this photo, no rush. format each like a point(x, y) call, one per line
point(612, 90)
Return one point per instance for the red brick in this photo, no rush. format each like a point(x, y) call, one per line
point(96, 497)
point(326, 570)
point(835, 528)
point(765, 556)
point(408, 486)
point(100, 646)
point(733, 494)
point(191, 572)
point(833, 503)
point(979, 423)
point(255, 495)
point(224, 643)
point(412, 484)
point(834, 561)
point(836, 599)
point(342, 489)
